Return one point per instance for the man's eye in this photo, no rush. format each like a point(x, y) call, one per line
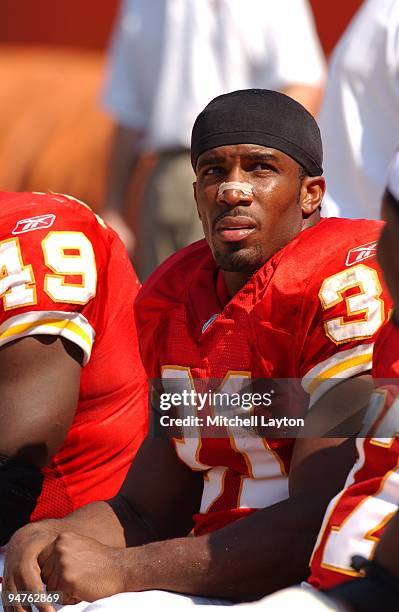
point(263, 166)
point(213, 170)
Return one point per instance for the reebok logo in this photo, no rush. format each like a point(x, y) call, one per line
point(360, 253)
point(34, 223)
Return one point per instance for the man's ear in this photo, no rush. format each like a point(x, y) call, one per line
point(312, 192)
point(195, 196)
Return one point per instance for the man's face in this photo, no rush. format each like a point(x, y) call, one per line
point(244, 231)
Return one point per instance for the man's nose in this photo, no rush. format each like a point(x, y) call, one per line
point(234, 193)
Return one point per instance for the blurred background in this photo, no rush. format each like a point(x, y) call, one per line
point(54, 133)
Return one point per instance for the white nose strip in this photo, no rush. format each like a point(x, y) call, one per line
point(246, 188)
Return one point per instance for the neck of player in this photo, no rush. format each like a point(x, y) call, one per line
point(236, 280)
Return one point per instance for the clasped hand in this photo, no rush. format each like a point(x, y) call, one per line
point(79, 567)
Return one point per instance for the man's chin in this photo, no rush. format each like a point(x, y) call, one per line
point(243, 260)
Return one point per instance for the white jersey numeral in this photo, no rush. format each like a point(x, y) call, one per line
point(263, 464)
point(17, 282)
point(69, 256)
point(366, 305)
point(356, 534)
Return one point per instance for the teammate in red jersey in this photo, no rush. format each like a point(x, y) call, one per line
point(279, 332)
point(356, 519)
point(273, 293)
point(73, 390)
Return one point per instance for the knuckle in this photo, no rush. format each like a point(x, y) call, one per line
point(66, 535)
point(64, 539)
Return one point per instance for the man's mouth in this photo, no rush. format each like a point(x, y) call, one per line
point(234, 229)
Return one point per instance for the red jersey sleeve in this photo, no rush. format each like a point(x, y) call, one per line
point(53, 249)
point(344, 306)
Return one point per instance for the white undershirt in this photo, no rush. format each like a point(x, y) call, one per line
point(359, 119)
point(169, 58)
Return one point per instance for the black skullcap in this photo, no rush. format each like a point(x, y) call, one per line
point(263, 117)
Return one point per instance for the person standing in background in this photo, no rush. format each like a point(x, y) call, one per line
point(168, 58)
point(359, 117)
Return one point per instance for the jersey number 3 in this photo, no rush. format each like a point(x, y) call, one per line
point(364, 309)
point(66, 255)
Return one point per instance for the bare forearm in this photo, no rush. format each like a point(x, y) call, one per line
point(96, 520)
point(257, 555)
point(108, 523)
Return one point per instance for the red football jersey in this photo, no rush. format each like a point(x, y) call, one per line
point(65, 273)
point(310, 313)
point(356, 517)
